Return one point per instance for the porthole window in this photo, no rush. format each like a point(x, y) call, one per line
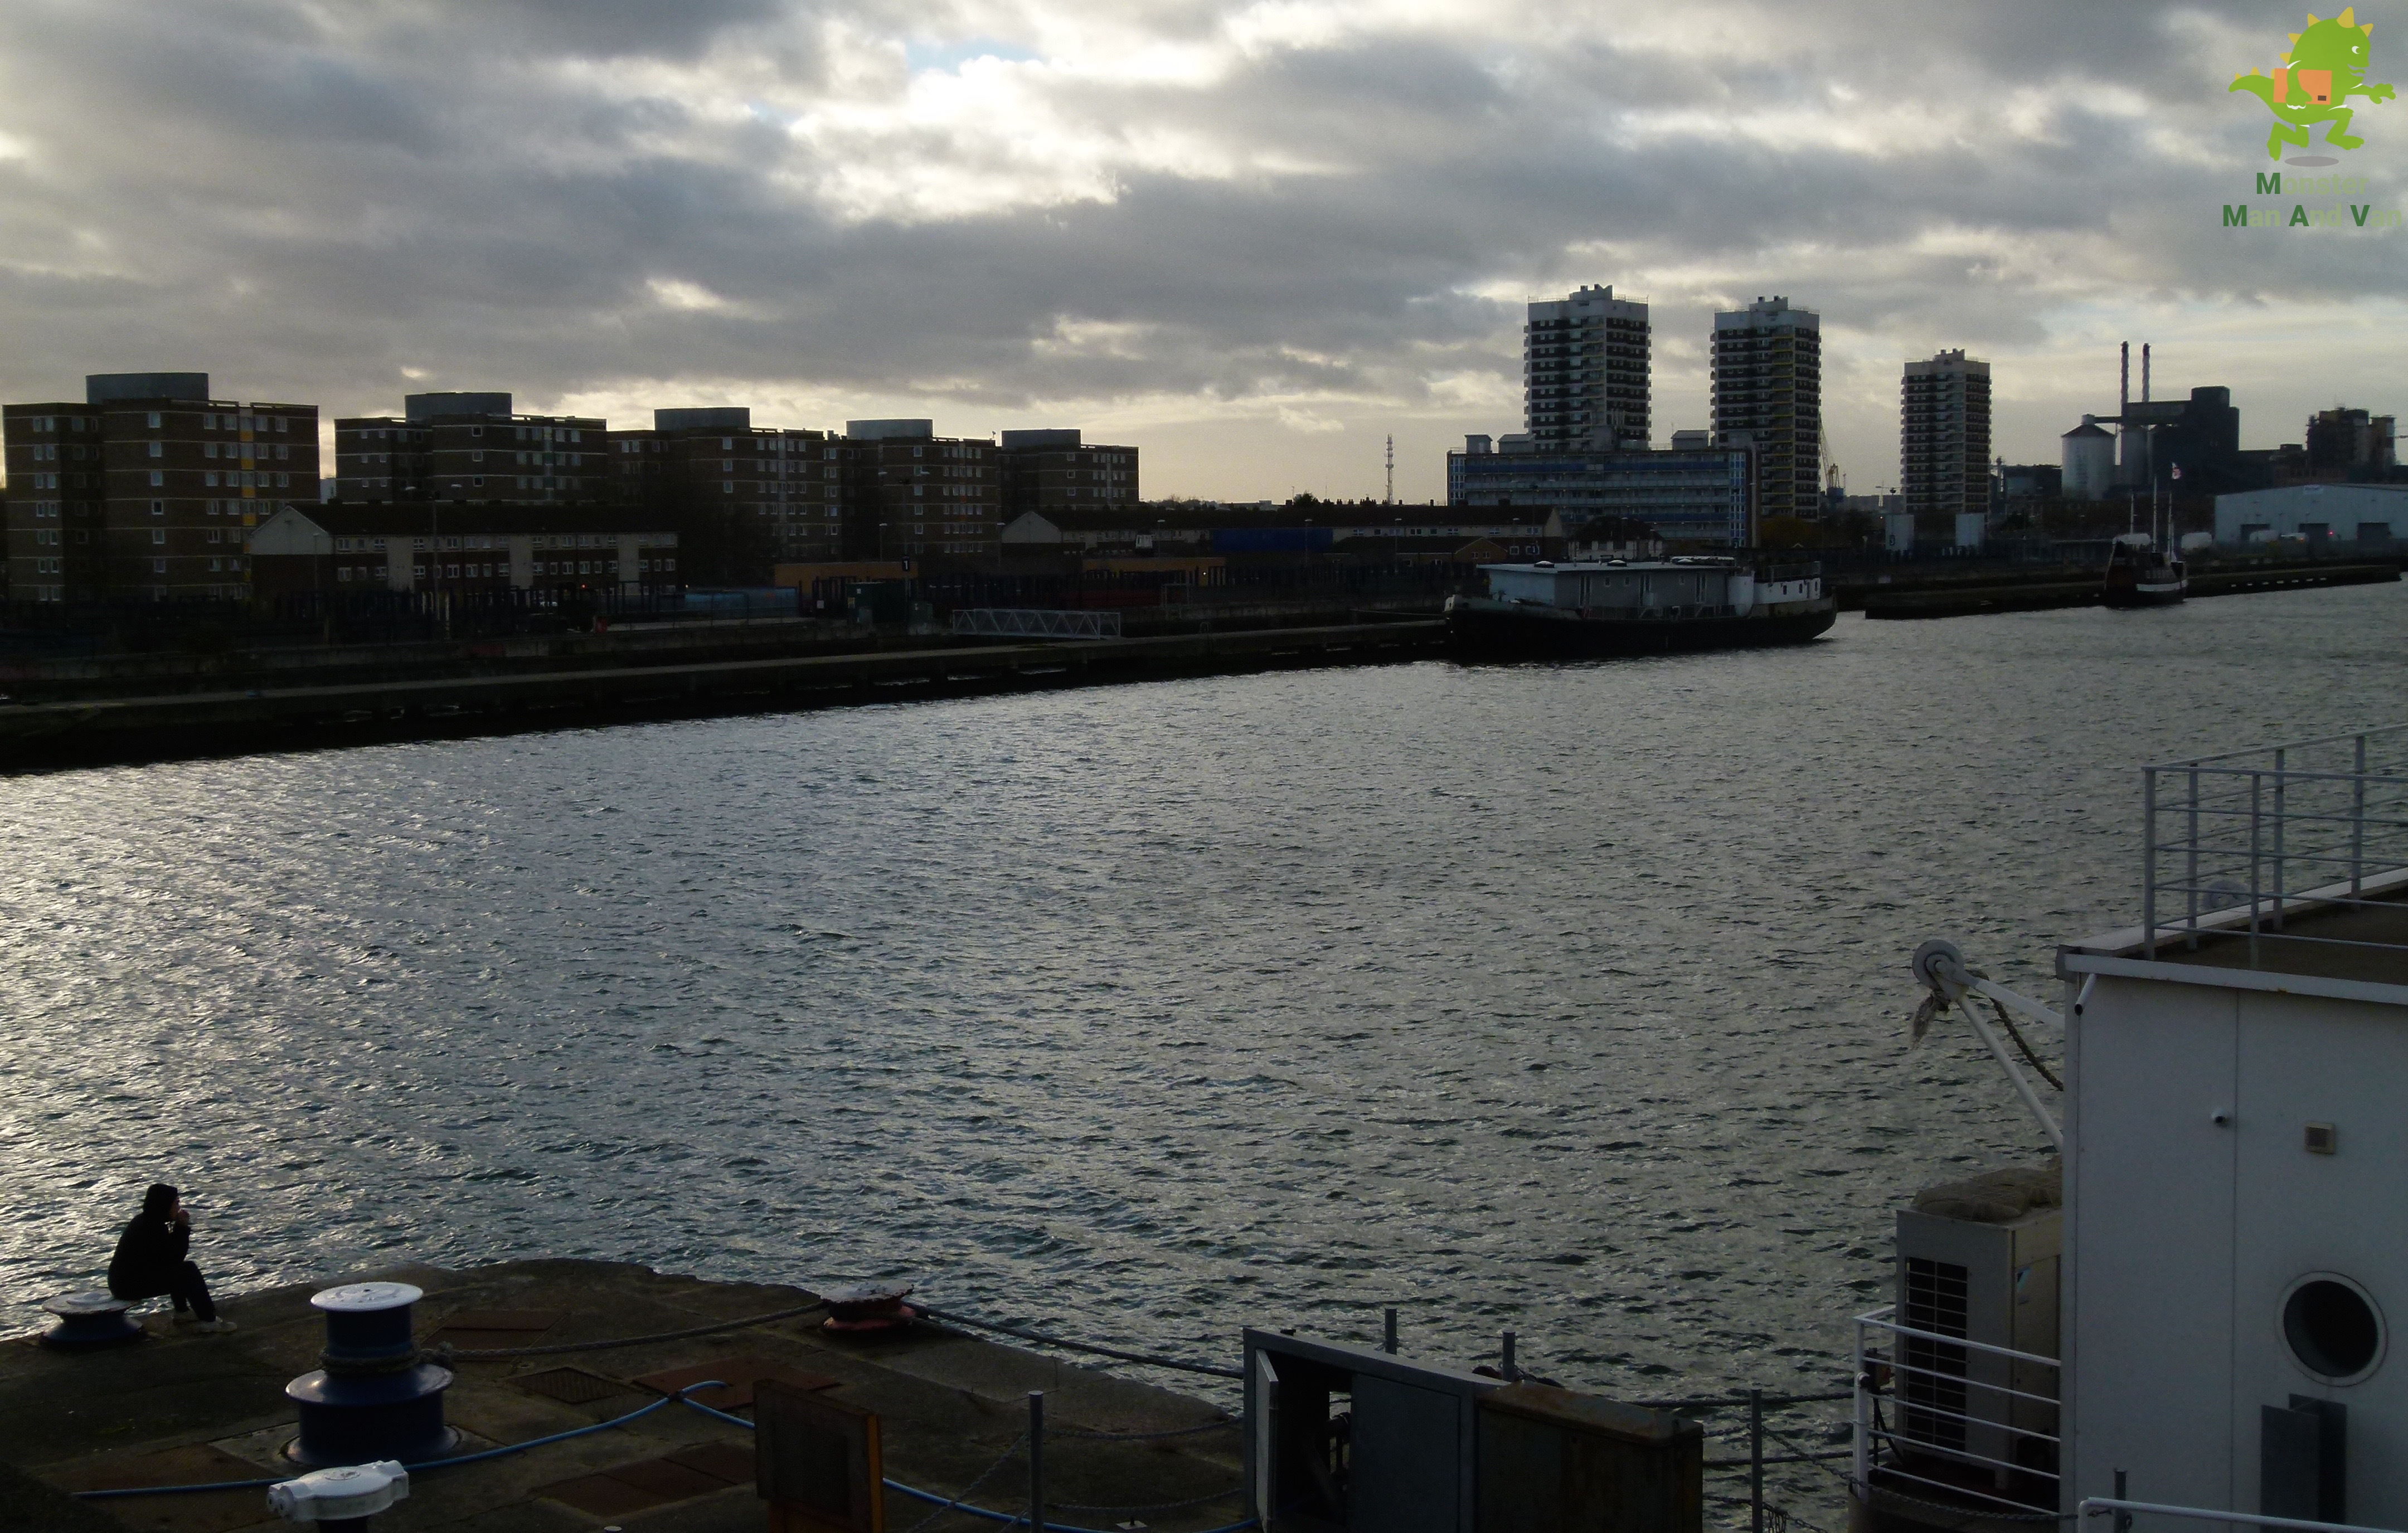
point(2333, 1328)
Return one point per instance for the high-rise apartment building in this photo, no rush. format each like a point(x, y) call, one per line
point(1944, 442)
point(912, 494)
point(378, 458)
point(1584, 372)
point(146, 488)
point(471, 448)
point(1768, 395)
point(57, 540)
point(1055, 471)
point(742, 496)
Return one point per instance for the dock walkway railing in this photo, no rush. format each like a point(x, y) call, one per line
point(1967, 1425)
point(1035, 623)
point(2241, 842)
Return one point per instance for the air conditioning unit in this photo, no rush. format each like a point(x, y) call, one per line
point(1977, 1262)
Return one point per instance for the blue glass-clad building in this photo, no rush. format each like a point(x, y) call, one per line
point(1692, 493)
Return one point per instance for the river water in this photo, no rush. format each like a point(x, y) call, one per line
point(1565, 998)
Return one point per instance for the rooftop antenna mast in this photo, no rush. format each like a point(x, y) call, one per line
point(1392, 471)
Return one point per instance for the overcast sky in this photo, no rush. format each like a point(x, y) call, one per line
point(1253, 239)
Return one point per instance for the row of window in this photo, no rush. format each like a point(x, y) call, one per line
point(158, 567)
point(155, 420)
point(538, 434)
point(480, 571)
point(218, 422)
point(526, 482)
point(561, 540)
point(763, 442)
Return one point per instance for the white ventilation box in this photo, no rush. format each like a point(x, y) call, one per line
point(1991, 1280)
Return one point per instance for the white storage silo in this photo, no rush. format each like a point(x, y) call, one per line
point(2089, 461)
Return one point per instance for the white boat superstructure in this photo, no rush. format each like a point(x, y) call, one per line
point(2231, 1249)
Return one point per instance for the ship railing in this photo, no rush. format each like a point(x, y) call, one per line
point(1032, 622)
point(2123, 1512)
point(2244, 842)
point(1939, 1407)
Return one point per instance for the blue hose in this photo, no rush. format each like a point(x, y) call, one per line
point(677, 1399)
point(563, 1437)
point(174, 1490)
point(418, 1468)
point(1008, 1520)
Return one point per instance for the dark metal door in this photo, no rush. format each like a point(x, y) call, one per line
point(1407, 1459)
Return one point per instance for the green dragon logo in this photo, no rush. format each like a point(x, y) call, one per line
point(2324, 67)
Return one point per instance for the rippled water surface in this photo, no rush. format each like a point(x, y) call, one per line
point(1565, 998)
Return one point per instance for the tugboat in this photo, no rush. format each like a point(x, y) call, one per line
point(1548, 610)
point(2141, 573)
point(2142, 570)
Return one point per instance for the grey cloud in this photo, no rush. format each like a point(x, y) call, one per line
point(671, 29)
point(426, 186)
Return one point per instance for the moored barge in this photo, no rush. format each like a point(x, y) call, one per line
point(1547, 610)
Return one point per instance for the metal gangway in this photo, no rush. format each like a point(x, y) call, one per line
point(1034, 622)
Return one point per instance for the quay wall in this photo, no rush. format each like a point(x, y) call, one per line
point(171, 725)
point(1970, 600)
point(27, 677)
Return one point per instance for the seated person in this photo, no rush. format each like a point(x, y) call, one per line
point(149, 1261)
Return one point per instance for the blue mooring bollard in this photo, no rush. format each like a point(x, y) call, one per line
point(88, 1322)
point(373, 1399)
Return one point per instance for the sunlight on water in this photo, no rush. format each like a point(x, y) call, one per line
point(1564, 998)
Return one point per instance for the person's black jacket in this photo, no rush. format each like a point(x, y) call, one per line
point(149, 1255)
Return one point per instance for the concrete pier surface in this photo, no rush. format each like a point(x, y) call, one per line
point(180, 1409)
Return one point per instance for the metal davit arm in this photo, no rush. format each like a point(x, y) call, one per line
point(1940, 966)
